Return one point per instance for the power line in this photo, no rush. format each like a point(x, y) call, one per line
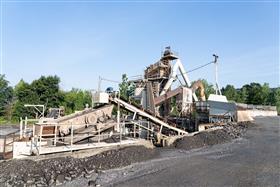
point(199, 67)
point(108, 80)
point(117, 82)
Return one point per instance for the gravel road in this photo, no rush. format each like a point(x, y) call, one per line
point(252, 160)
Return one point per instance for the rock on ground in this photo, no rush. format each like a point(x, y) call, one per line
point(56, 171)
point(230, 131)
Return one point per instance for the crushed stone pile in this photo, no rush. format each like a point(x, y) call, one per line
point(56, 171)
point(230, 131)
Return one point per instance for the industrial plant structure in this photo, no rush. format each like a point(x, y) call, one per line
point(157, 112)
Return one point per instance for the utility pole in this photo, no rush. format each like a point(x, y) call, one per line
point(217, 89)
point(118, 113)
point(99, 84)
point(92, 91)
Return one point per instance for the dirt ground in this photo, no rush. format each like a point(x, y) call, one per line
point(65, 170)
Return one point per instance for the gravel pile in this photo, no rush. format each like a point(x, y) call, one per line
point(56, 171)
point(230, 131)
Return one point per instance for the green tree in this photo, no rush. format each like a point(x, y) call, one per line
point(277, 99)
point(24, 94)
point(47, 89)
point(230, 92)
point(242, 95)
point(6, 96)
point(126, 87)
point(265, 94)
point(274, 98)
point(254, 94)
point(76, 99)
point(258, 94)
point(208, 88)
point(44, 91)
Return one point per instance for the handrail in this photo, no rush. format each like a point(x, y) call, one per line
point(145, 114)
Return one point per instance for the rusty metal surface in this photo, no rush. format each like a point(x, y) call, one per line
point(88, 116)
point(162, 98)
point(91, 131)
point(199, 85)
point(80, 120)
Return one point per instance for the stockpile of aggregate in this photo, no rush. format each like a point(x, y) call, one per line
point(229, 132)
point(56, 171)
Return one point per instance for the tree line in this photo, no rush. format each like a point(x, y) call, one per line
point(253, 93)
point(46, 91)
point(43, 91)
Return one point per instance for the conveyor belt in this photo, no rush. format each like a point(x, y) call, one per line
point(145, 114)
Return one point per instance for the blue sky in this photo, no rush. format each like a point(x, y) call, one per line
point(80, 41)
